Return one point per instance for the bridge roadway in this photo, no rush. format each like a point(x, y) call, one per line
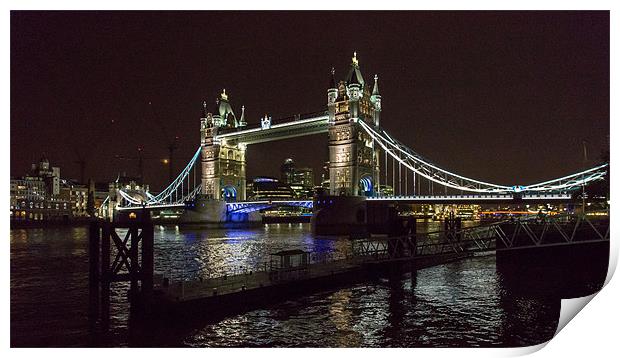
point(471, 198)
point(315, 123)
point(255, 205)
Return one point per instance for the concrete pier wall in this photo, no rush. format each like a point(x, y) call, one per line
point(352, 215)
point(339, 215)
point(212, 212)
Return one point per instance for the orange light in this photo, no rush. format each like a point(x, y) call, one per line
point(165, 161)
point(132, 215)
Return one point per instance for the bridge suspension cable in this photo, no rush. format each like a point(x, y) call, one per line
point(171, 189)
point(434, 174)
point(176, 193)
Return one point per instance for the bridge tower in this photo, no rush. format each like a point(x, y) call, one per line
point(353, 155)
point(223, 164)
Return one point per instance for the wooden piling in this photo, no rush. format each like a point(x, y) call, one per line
point(105, 276)
point(93, 273)
point(137, 259)
point(133, 259)
point(147, 261)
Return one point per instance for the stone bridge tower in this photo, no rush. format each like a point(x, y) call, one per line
point(353, 155)
point(223, 164)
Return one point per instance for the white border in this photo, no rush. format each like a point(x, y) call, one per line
point(594, 330)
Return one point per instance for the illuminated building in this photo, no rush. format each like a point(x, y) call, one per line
point(36, 196)
point(77, 195)
point(386, 190)
point(266, 188)
point(301, 180)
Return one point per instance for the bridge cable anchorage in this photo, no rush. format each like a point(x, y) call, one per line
point(433, 173)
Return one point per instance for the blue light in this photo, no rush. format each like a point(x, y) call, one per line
point(265, 180)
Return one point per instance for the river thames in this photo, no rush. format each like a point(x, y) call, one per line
point(464, 303)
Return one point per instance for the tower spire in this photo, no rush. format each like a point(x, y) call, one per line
point(204, 109)
point(242, 122)
point(332, 79)
point(355, 75)
point(375, 89)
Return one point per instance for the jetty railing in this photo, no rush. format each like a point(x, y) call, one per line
point(502, 235)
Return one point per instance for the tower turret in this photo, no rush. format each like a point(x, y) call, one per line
point(227, 115)
point(242, 121)
point(355, 86)
point(215, 115)
point(206, 123)
point(332, 95)
point(375, 98)
point(204, 113)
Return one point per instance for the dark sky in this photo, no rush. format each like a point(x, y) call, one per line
point(505, 97)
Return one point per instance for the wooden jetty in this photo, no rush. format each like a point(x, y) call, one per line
point(291, 273)
point(217, 297)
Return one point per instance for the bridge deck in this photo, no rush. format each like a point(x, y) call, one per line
point(290, 129)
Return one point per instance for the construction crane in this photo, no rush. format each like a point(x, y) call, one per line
point(140, 158)
point(82, 149)
point(171, 148)
point(172, 145)
point(81, 161)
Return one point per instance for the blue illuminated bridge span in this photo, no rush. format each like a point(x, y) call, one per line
point(185, 187)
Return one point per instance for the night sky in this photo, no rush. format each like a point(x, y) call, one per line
point(504, 97)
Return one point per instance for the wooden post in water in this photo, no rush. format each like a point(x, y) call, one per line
point(453, 225)
point(93, 273)
point(127, 265)
point(133, 259)
point(147, 261)
point(105, 276)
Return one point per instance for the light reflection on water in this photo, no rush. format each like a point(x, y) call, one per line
point(461, 303)
point(191, 253)
point(458, 304)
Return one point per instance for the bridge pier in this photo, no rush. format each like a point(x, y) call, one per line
point(204, 210)
point(340, 215)
point(354, 215)
point(210, 212)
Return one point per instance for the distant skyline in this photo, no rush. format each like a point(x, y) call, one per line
point(504, 97)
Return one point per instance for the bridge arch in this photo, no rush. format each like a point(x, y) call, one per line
point(366, 185)
point(229, 193)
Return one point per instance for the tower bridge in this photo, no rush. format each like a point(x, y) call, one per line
point(366, 163)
